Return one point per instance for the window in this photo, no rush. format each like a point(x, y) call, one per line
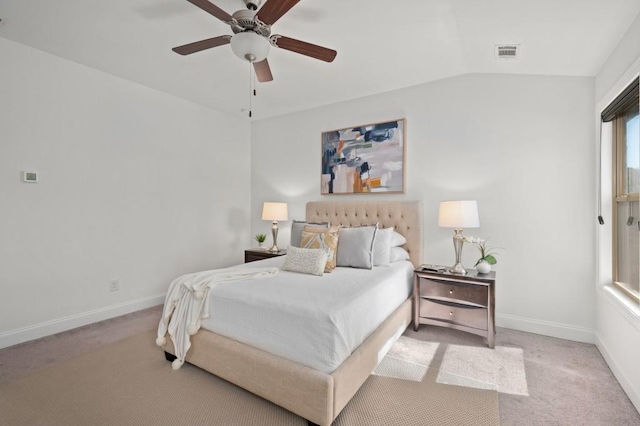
point(623, 113)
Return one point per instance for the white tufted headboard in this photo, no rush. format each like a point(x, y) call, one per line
point(405, 216)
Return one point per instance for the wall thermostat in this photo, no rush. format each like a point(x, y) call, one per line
point(30, 176)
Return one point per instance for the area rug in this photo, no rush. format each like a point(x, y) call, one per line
point(501, 369)
point(130, 383)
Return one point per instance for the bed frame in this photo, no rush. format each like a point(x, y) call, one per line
point(311, 394)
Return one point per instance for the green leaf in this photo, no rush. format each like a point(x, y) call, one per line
point(490, 259)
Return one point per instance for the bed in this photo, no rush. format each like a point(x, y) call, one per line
point(316, 392)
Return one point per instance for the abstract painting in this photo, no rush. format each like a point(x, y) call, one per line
point(364, 159)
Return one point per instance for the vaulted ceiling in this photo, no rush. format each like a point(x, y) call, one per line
point(382, 44)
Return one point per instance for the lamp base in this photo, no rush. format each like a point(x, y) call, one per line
point(458, 243)
point(274, 232)
point(457, 269)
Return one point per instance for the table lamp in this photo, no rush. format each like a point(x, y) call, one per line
point(458, 215)
point(274, 212)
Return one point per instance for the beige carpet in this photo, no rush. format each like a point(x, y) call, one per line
point(130, 383)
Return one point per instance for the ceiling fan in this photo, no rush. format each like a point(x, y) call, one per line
point(252, 35)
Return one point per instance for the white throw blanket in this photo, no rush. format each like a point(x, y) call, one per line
point(187, 303)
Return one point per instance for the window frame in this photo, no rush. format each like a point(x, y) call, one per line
point(619, 147)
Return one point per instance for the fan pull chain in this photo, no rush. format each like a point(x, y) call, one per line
point(250, 97)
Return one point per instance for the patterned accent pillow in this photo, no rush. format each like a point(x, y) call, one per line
point(297, 226)
point(305, 261)
point(323, 238)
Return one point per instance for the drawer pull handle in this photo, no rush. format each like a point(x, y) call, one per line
point(451, 313)
point(450, 291)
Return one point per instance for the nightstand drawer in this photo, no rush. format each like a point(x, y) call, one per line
point(467, 316)
point(443, 290)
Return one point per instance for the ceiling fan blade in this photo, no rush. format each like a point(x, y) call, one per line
point(304, 48)
point(197, 46)
point(263, 71)
point(274, 9)
point(211, 8)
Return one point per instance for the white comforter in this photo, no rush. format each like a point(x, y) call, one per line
point(314, 321)
point(187, 304)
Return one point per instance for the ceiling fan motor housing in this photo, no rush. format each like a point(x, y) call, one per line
point(245, 20)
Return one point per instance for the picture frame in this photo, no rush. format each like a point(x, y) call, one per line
point(365, 159)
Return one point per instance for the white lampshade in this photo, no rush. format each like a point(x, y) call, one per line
point(275, 211)
point(458, 214)
point(250, 46)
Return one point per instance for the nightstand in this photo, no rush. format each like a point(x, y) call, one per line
point(251, 255)
point(464, 302)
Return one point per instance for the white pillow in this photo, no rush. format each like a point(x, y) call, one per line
point(382, 247)
point(398, 253)
point(355, 246)
point(297, 226)
point(305, 261)
point(398, 239)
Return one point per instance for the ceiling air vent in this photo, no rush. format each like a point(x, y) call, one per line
point(507, 51)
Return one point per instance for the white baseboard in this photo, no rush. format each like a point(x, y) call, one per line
point(546, 328)
point(627, 385)
point(36, 331)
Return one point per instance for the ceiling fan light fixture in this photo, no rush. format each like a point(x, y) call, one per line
point(250, 46)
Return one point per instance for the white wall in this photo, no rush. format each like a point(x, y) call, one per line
point(520, 145)
point(134, 184)
point(618, 323)
point(620, 60)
